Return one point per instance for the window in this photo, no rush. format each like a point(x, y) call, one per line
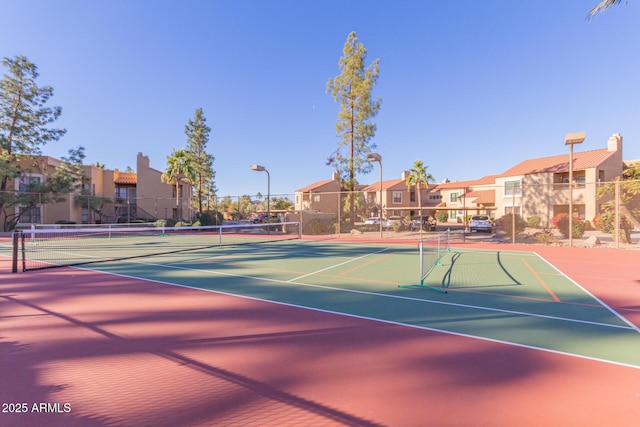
point(27, 181)
point(30, 215)
point(509, 209)
point(397, 197)
point(513, 188)
point(412, 196)
point(123, 194)
point(316, 198)
point(453, 197)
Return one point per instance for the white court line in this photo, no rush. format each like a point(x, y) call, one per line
point(615, 313)
point(377, 294)
point(335, 265)
point(355, 316)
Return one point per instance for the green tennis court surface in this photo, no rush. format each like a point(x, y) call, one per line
point(512, 297)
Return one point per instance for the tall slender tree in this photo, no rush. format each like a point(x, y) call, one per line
point(417, 176)
point(197, 133)
point(352, 89)
point(179, 169)
point(25, 126)
point(24, 120)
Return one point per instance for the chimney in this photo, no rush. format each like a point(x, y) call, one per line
point(615, 142)
point(142, 162)
point(404, 175)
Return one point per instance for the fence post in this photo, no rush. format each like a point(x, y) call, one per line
point(14, 258)
point(617, 214)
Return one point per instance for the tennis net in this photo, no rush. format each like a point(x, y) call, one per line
point(432, 249)
point(37, 249)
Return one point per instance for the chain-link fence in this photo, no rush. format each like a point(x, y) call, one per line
point(531, 209)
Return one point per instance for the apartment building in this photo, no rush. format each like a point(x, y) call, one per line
point(534, 187)
point(130, 194)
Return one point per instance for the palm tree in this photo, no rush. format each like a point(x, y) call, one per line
point(179, 168)
point(417, 176)
point(602, 6)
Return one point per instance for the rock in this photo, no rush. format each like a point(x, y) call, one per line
point(593, 240)
point(355, 232)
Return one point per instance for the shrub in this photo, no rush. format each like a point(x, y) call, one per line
point(442, 216)
point(507, 224)
point(318, 226)
point(210, 218)
point(545, 237)
point(169, 222)
point(533, 221)
point(606, 223)
point(556, 219)
point(578, 226)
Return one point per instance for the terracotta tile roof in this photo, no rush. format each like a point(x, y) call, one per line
point(485, 180)
point(560, 163)
point(390, 184)
point(314, 186)
point(127, 178)
point(483, 197)
point(385, 185)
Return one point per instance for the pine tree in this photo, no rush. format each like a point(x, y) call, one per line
point(197, 133)
point(352, 89)
point(25, 122)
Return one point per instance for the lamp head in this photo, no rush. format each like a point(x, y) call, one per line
point(256, 168)
point(374, 157)
point(575, 138)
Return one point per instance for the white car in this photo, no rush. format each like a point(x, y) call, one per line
point(374, 220)
point(393, 220)
point(480, 223)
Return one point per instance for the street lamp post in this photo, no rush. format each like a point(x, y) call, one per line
point(375, 157)
point(263, 169)
point(572, 139)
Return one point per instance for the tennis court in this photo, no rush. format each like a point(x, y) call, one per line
point(345, 333)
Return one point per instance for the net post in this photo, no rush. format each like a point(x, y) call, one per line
point(14, 257)
point(424, 275)
point(24, 255)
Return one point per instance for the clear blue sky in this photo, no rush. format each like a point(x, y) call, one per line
point(469, 87)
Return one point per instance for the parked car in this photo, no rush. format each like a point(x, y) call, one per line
point(389, 224)
point(263, 219)
point(480, 223)
point(258, 219)
point(429, 223)
point(373, 220)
